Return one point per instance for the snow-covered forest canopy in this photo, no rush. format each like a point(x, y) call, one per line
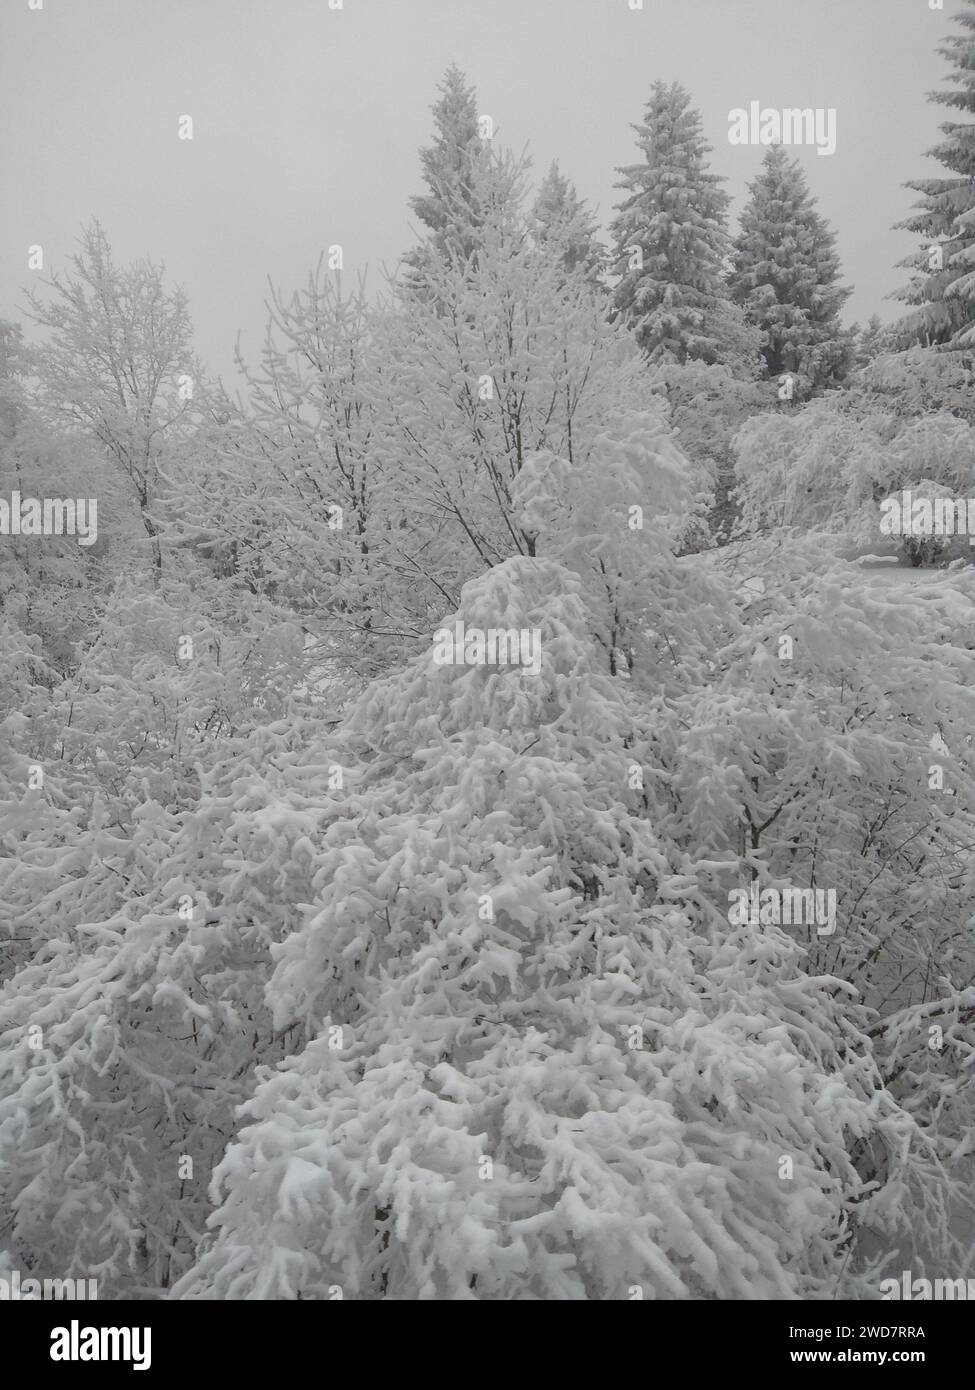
point(489, 810)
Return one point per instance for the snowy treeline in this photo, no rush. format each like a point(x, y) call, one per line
point(331, 969)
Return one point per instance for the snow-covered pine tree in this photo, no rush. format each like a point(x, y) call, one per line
point(449, 210)
point(458, 200)
point(785, 274)
point(671, 241)
point(563, 224)
point(942, 288)
point(872, 341)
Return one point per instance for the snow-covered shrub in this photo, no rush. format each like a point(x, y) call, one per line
point(541, 1063)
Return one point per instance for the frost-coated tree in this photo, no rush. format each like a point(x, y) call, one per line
point(671, 240)
point(563, 225)
point(449, 208)
point(501, 356)
point(303, 503)
point(616, 517)
point(118, 364)
point(45, 590)
point(785, 276)
point(458, 200)
point(871, 341)
point(943, 285)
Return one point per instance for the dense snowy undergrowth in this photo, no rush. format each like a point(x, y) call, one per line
point(466, 961)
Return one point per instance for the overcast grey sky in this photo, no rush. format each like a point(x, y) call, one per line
point(307, 122)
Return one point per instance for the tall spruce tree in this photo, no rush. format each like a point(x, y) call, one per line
point(871, 341)
point(464, 178)
point(785, 274)
point(560, 218)
point(942, 288)
point(671, 241)
point(449, 209)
